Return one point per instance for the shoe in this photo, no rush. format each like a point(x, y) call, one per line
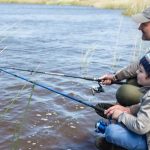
point(100, 107)
point(102, 144)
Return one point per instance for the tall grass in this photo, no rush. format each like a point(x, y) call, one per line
point(25, 1)
point(136, 6)
point(19, 126)
point(130, 6)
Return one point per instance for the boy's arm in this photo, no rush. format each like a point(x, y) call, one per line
point(140, 123)
point(134, 109)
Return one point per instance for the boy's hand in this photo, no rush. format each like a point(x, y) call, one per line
point(116, 114)
point(118, 108)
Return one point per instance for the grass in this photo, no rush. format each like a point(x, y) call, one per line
point(25, 1)
point(19, 126)
point(130, 6)
point(136, 6)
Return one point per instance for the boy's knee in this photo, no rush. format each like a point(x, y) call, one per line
point(111, 133)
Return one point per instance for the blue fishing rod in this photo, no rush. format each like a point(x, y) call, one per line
point(52, 90)
point(100, 126)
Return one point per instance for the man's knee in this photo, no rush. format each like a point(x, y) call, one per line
point(128, 95)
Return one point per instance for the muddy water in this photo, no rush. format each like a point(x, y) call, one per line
point(65, 39)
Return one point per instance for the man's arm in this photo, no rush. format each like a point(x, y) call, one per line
point(127, 72)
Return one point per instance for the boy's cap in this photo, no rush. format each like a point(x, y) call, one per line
point(142, 17)
point(145, 61)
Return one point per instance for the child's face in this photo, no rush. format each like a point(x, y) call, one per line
point(142, 77)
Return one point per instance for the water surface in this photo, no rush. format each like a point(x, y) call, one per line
point(65, 39)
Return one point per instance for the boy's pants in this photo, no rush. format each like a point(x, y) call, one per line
point(121, 136)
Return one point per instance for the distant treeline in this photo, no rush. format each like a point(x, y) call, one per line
point(130, 6)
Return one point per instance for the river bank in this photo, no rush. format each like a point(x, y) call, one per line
point(130, 7)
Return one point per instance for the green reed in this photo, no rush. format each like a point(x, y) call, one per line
point(86, 59)
point(25, 1)
point(136, 6)
point(13, 100)
point(19, 126)
point(130, 6)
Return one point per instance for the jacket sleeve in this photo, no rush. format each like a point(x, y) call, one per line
point(140, 123)
point(127, 72)
point(135, 108)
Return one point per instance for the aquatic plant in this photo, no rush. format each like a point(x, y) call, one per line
point(86, 59)
point(136, 6)
point(130, 7)
point(19, 126)
point(12, 102)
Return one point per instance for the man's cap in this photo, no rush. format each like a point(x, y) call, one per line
point(142, 17)
point(145, 61)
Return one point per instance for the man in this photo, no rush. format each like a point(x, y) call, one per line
point(130, 93)
point(129, 72)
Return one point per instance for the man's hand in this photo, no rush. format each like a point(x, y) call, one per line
point(107, 79)
point(116, 110)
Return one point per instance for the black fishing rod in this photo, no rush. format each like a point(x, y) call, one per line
point(59, 74)
point(52, 73)
point(52, 90)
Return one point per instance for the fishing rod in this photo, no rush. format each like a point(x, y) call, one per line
point(52, 73)
point(60, 74)
point(52, 90)
point(98, 89)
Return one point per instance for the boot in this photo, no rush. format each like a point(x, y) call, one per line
point(102, 144)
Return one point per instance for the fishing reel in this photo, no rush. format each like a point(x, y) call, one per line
point(100, 126)
point(97, 89)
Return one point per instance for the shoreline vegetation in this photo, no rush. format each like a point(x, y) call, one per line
point(130, 7)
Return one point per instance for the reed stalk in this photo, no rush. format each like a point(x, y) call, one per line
point(130, 6)
point(19, 126)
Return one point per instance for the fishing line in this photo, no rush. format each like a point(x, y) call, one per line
point(97, 89)
point(52, 73)
point(59, 74)
point(52, 90)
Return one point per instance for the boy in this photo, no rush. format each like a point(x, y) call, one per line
point(133, 128)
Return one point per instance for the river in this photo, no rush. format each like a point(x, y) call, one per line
point(83, 41)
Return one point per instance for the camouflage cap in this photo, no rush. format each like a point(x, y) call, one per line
point(142, 17)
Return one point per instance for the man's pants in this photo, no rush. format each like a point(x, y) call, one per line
point(121, 136)
point(129, 94)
